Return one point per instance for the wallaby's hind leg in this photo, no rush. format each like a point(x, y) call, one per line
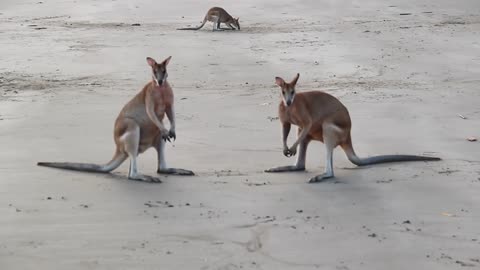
point(162, 164)
point(131, 140)
point(330, 139)
point(328, 165)
point(301, 158)
point(216, 24)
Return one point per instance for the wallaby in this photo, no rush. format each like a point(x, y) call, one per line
point(218, 15)
point(138, 127)
point(321, 117)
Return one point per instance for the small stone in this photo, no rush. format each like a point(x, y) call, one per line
point(471, 139)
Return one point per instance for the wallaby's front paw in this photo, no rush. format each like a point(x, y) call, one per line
point(165, 134)
point(172, 134)
point(166, 138)
point(290, 152)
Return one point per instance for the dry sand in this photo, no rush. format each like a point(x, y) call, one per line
point(67, 68)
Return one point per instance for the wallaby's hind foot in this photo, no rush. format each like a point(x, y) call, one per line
point(320, 178)
point(292, 168)
point(175, 171)
point(145, 178)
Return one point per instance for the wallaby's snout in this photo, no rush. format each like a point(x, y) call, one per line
point(160, 75)
point(237, 23)
point(288, 97)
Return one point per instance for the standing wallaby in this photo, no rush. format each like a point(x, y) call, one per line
point(321, 117)
point(138, 127)
point(218, 15)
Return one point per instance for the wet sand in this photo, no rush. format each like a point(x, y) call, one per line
point(68, 67)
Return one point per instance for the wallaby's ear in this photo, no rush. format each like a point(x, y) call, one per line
point(166, 61)
point(279, 81)
point(294, 81)
point(151, 62)
point(238, 18)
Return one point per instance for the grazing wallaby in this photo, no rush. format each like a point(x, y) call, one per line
point(138, 127)
point(321, 117)
point(217, 15)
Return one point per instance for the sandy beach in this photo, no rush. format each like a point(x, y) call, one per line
point(408, 71)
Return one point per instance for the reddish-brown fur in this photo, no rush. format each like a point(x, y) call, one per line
point(321, 117)
point(217, 15)
point(151, 134)
point(302, 113)
point(138, 127)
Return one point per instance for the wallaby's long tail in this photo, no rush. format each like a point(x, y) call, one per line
point(117, 159)
point(195, 28)
point(348, 148)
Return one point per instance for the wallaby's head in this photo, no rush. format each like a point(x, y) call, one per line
point(159, 71)
point(288, 89)
point(236, 23)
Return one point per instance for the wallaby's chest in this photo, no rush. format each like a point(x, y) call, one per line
point(163, 99)
point(290, 115)
point(294, 119)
